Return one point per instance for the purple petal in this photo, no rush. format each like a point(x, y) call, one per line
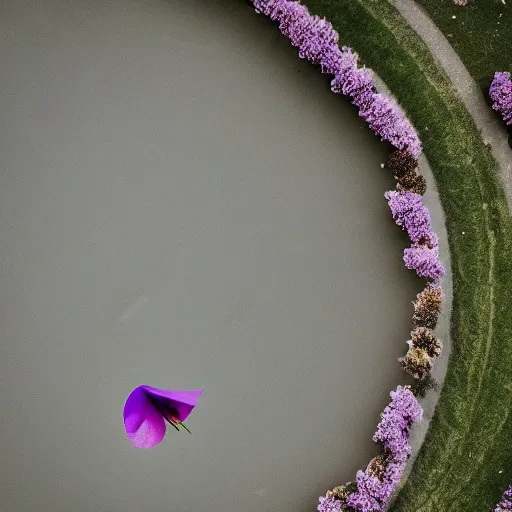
point(183, 401)
point(144, 425)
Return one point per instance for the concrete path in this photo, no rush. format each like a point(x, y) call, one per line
point(492, 130)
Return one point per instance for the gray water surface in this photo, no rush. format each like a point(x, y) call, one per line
point(184, 204)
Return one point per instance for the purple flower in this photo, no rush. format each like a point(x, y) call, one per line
point(317, 42)
point(410, 213)
point(373, 493)
point(387, 120)
point(396, 420)
point(147, 409)
point(328, 504)
point(350, 81)
point(500, 92)
point(424, 260)
point(505, 502)
point(315, 37)
point(393, 432)
point(363, 501)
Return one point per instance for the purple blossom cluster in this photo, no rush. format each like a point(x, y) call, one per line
point(505, 502)
point(315, 37)
point(374, 487)
point(317, 42)
point(424, 260)
point(396, 420)
point(411, 214)
point(328, 504)
point(373, 491)
point(387, 120)
point(500, 92)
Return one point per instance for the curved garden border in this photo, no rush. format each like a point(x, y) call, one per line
point(470, 432)
point(318, 43)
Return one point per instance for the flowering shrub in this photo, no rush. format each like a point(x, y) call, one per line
point(396, 420)
point(420, 387)
point(354, 82)
point(410, 213)
point(401, 162)
point(417, 363)
point(377, 482)
point(337, 498)
point(505, 502)
point(329, 504)
point(500, 92)
point(425, 339)
point(413, 182)
point(427, 306)
point(387, 120)
point(462, 3)
point(424, 259)
point(318, 43)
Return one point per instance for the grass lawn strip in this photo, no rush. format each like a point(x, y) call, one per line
point(466, 461)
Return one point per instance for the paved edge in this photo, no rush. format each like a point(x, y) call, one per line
point(492, 130)
point(433, 203)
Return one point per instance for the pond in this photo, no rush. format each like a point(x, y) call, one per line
point(184, 204)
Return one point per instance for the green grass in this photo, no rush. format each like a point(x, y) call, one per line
point(466, 460)
point(481, 34)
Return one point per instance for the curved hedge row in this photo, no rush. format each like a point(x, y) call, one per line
point(469, 434)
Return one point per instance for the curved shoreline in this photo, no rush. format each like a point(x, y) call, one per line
point(479, 232)
point(214, 191)
point(432, 201)
point(319, 44)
